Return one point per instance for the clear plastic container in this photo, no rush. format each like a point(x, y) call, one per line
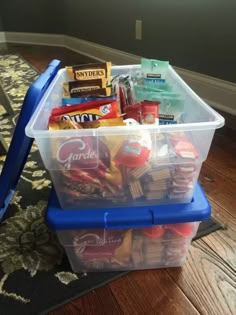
point(128, 238)
point(81, 162)
point(105, 250)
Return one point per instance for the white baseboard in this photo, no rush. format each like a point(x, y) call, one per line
point(35, 38)
point(218, 93)
point(2, 37)
point(100, 52)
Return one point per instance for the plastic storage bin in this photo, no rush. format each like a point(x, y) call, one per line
point(125, 238)
point(75, 157)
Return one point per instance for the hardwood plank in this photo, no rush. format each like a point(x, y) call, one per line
point(207, 281)
point(150, 292)
point(40, 56)
point(100, 302)
point(68, 309)
point(223, 242)
point(219, 188)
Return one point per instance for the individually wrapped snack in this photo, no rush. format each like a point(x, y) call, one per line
point(112, 122)
point(171, 106)
point(184, 149)
point(133, 112)
point(149, 112)
point(148, 83)
point(171, 109)
point(122, 99)
point(97, 92)
point(99, 249)
point(126, 84)
point(84, 85)
point(143, 92)
point(154, 70)
point(87, 162)
point(135, 150)
point(66, 101)
point(55, 124)
point(90, 71)
point(87, 111)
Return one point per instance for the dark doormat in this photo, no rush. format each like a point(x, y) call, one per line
point(207, 227)
point(35, 275)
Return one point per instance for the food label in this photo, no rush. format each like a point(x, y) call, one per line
point(79, 152)
point(90, 74)
point(84, 89)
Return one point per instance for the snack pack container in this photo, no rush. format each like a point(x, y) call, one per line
point(137, 164)
point(126, 238)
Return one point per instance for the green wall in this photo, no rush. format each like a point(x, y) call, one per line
point(198, 35)
point(39, 16)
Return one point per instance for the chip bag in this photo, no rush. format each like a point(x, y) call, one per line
point(87, 111)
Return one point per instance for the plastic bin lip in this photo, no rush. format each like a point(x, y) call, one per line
point(122, 130)
point(127, 217)
point(216, 122)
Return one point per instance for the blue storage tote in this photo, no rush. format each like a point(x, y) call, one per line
point(128, 238)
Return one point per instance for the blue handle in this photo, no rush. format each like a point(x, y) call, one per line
point(20, 145)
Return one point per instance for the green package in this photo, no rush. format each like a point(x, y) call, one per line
point(162, 86)
point(154, 70)
point(171, 106)
point(143, 92)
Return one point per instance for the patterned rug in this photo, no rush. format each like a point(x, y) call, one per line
point(35, 275)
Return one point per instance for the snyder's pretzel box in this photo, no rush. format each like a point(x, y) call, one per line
point(135, 165)
point(126, 238)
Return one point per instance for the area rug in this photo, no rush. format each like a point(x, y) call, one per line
point(35, 275)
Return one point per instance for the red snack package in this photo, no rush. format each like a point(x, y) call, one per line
point(149, 112)
point(84, 106)
point(133, 111)
point(154, 232)
point(134, 151)
point(185, 149)
point(122, 98)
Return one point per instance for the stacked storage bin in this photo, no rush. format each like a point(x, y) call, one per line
point(128, 238)
point(150, 227)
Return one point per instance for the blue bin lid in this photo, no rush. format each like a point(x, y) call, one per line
point(127, 217)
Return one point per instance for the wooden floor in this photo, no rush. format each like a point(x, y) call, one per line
point(207, 282)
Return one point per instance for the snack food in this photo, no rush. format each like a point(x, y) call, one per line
point(117, 164)
point(101, 248)
point(149, 112)
point(87, 111)
point(90, 71)
point(154, 70)
point(136, 189)
point(133, 112)
point(137, 172)
point(76, 86)
point(92, 93)
point(68, 101)
point(55, 124)
point(135, 150)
